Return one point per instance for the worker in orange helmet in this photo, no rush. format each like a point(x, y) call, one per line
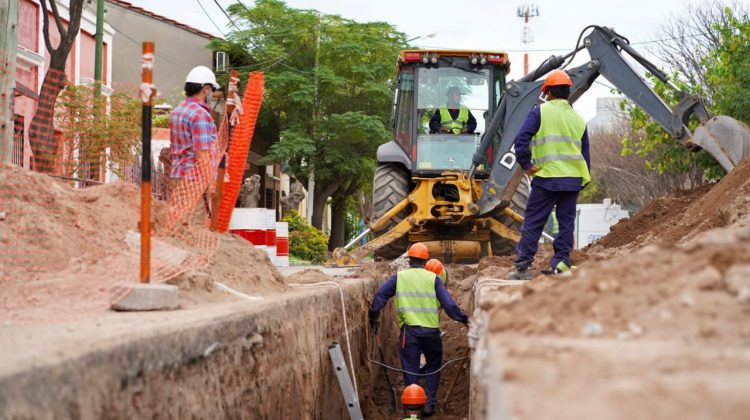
point(413, 400)
point(419, 295)
point(437, 267)
point(552, 146)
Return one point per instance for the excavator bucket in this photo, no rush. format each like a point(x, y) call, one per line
point(725, 138)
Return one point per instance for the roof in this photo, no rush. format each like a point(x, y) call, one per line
point(165, 19)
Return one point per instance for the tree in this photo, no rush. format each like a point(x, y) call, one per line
point(622, 178)
point(329, 84)
point(706, 55)
point(41, 130)
point(728, 66)
point(688, 38)
point(91, 123)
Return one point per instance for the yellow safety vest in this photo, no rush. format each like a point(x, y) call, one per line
point(556, 147)
point(456, 125)
point(416, 300)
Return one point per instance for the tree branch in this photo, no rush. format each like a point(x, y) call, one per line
point(58, 20)
point(45, 26)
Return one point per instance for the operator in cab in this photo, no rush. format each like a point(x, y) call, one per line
point(453, 118)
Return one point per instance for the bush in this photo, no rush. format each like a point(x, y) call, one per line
point(305, 242)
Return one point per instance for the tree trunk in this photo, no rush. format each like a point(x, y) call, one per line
point(42, 129)
point(323, 190)
point(338, 225)
point(338, 216)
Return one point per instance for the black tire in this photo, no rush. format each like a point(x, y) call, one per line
point(500, 245)
point(390, 186)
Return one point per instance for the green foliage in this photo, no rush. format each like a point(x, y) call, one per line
point(728, 75)
point(305, 242)
point(590, 194)
point(160, 121)
point(328, 84)
point(662, 152)
point(728, 68)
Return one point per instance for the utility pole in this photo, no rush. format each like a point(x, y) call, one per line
point(311, 178)
point(8, 47)
point(99, 46)
point(527, 11)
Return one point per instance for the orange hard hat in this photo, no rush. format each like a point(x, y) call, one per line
point(556, 78)
point(413, 395)
point(418, 250)
point(435, 266)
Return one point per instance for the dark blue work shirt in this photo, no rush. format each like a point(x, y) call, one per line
point(388, 289)
point(523, 155)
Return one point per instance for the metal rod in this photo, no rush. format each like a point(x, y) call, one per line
point(467, 353)
point(354, 241)
point(147, 65)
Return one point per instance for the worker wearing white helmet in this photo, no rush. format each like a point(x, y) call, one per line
point(192, 129)
point(192, 134)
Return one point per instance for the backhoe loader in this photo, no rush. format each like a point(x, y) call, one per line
point(462, 193)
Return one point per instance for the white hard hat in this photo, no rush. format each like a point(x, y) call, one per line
point(203, 76)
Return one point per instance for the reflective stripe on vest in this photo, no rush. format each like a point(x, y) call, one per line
point(416, 302)
point(556, 147)
point(454, 125)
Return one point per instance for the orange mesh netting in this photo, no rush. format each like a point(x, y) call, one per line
point(242, 136)
point(69, 204)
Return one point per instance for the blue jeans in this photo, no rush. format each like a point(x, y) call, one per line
point(410, 347)
point(538, 208)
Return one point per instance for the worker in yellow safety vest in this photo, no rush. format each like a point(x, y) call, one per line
point(552, 146)
point(453, 118)
point(419, 294)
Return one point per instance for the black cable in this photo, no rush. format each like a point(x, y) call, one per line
point(227, 15)
point(578, 43)
point(420, 374)
point(209, 18)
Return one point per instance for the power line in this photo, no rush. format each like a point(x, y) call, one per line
point(169, 58)
point(209, 18)
point(227, 15)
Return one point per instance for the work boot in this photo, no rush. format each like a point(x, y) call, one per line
point(561, 267)
point(429, 410)
point(520, 274)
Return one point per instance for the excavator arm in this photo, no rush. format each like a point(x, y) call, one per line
point(725, 138)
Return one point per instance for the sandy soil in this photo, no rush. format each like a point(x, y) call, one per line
point(654, 323)
point(63, 249)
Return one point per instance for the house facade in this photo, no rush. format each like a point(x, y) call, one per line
point(179, 48)
point(32, 62)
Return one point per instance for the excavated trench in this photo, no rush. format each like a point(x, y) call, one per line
point(232, 360)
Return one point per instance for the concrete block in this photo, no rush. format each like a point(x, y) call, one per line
point(145, 297)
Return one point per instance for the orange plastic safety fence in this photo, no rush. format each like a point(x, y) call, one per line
point(69, 205)
point(242, 136)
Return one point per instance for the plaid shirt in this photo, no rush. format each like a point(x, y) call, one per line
point(191, 129)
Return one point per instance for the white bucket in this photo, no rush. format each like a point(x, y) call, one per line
point(282, 261)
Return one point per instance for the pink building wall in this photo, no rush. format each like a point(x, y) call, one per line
point(32, 50)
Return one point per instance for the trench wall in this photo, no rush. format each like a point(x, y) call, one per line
point(267, 360)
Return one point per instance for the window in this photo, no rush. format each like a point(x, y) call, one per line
point(18, 130)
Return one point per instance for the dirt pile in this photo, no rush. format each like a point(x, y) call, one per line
point(678, 273)
point(683, 215)
point(64, 248)
point(652, 324)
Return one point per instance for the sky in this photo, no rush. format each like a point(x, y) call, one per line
point(476, 24)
